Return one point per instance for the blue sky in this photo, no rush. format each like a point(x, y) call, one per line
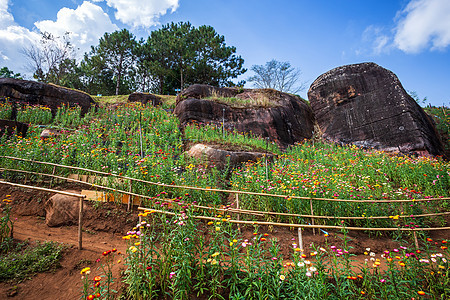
point(409, 37)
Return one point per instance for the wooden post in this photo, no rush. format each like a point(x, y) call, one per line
point(416, 242)
point(130, 198)
point(53, 173)
point(300, 239)
point(80, 224)
point(239, 214)
point(312, 214)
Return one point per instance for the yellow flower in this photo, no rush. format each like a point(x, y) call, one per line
point(133, 249)
point(231, 244)
point(86, 270)
point(214, 262)
point(137, 244)
point(210, 223)
point(234, 241)
point(215, 254)
point(217, 228)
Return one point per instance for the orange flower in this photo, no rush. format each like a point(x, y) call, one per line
point(90, 297)
point(421, 293)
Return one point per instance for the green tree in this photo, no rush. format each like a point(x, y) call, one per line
point(277, 75)
point(179, 54)
point(7, 73)
point(115, 53)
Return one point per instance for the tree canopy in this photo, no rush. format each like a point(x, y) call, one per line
point(172, 58)
point(179, 54)
point(7, 73)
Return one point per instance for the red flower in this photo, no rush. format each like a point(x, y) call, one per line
point(90, 297)
point(149, 268)
point(114, 250)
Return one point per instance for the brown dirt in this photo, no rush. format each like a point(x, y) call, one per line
point(104, 226)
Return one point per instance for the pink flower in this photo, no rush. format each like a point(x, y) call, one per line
point(172, 274)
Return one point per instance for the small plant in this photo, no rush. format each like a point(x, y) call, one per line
point(6, 225)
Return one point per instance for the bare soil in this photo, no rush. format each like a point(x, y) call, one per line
point(103, 228)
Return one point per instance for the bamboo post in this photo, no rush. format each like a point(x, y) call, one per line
point(416, 242)
point(238, 215)
point(130, 198)
point(300, 238)
point(53, 174)
point(80, 224)
point(312, 214)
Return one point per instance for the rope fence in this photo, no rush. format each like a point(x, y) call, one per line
point(231, 210)
point(222, 190)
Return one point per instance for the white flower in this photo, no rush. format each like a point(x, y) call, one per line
point(301, 264)
point(307, 262)
point(372, 253)
point(368, 249)
point(312, 269)
point(308, 274)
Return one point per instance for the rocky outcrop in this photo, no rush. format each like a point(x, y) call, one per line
point(38, 93)
point(62, 210)
point(366, 105)
point(13, 126)
point(145, 98)
point(49, 133)
point(224, 158)
point(283, 118)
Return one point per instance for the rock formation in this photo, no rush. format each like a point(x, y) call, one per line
point(61, 210)
point(38, 93)
point(223, 158)
point(366, 105)
point(145, 98)
point(283, 118)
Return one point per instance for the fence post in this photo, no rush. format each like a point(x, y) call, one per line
point(238, 214)
point(53, 173)
point(130, 199)
point(80, 224)
point(300, 239)
point(312, 214)
point(416, 242)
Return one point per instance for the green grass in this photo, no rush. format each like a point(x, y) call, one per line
point(20, 264)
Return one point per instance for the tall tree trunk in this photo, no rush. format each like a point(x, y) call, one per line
point(119, 75)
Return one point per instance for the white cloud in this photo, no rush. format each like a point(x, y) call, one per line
point(5, 17)
point(378, 40)
point(141, 13)
point(423, 24)
point(86, 24)
point(13, 39)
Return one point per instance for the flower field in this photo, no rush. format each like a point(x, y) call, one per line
point(175, 255)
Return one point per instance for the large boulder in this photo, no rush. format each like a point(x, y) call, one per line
point(145, 98)
point(62, 210)
point(38, 93)
point(225, 158)
point(366, 105)
point(281, 117)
